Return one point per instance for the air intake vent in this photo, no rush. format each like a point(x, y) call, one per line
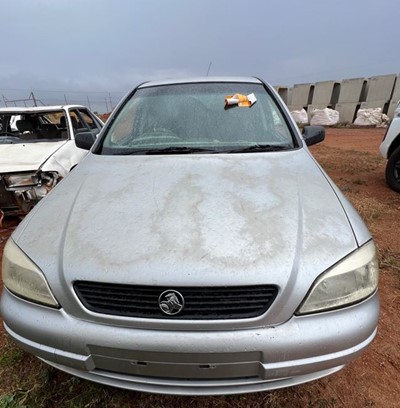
point(200, 303)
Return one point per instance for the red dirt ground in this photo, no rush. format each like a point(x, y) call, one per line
point(374, 379)
point(351, 158)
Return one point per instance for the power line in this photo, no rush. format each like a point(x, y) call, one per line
point(66, 100)
point(95, 100)
point(54, 90)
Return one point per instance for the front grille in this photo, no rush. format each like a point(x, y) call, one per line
point(200, 303)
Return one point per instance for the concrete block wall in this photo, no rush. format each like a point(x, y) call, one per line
point(396, 90)
point(347, 111)
point(283, 92)
point(392, 107)
point(352, 92)
point(380, 92)
point(302, 95)
point(289, 96)
point(347, 96)
point(395, 98)
point(326, 94)
point(380, 88)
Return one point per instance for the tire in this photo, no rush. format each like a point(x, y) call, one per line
point(393, 170)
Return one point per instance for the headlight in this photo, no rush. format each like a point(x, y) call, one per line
point(23, 278)
point(21, 180)
point(351, 280)
point(49, 178)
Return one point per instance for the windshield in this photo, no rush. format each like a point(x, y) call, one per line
point(32, 127)
point(194, 118)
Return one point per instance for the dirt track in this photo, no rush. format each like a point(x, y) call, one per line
point(351, 158)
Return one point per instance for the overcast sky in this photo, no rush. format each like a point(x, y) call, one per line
point(85, 49)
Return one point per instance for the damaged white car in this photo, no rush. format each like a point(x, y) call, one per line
point(37, 150)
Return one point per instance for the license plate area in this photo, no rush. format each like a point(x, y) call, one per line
point(178, 365)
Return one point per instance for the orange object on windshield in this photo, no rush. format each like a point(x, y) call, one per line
point(240, 100)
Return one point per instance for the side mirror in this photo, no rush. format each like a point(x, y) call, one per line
point(313, 134)
point(85, 140)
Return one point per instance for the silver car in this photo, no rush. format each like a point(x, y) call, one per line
point(197, 249)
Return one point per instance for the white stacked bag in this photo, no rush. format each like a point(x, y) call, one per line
point(300, 116)
point(371, 117)
point(324, 117)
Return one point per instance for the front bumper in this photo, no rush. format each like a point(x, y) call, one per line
point(193, 362)
point(22, 199)
point(384, 148)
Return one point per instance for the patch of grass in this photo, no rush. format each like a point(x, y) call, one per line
point(324, 403)
point(390, 259)
point(359, 182)
point(348, 162)
point(370, 208)
point(51, 388)
point(8, 401)
point(10, 354)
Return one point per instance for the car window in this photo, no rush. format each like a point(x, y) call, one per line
point(29, 127)
point(82, 121)
point(89, 121)
point(195, 116)
point(77, 122)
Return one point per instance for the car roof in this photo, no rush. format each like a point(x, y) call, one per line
point(201, 80)
point(37, 109)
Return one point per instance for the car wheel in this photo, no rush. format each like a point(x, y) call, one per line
point(393, 170)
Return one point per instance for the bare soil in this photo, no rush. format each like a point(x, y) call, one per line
point(351, 158)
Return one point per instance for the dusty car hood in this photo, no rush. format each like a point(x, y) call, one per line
point(26, 156)
point(187, 220)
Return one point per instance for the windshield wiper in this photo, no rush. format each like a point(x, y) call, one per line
point(180, 149)
point(189, 150)
point(170, 150)
point(259, 148)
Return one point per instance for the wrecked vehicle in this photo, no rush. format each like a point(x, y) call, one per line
point(37, 150)
point(200, 250)
point(390, 150)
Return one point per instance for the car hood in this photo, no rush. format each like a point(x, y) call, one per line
point(188, 220)
point(26, 156)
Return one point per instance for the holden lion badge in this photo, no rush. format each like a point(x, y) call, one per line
point(171, 302)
